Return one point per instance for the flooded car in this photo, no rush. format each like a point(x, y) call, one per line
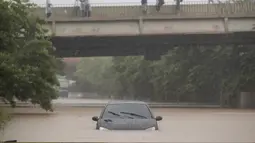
point(126, 115)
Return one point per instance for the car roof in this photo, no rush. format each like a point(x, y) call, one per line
point(125, 101)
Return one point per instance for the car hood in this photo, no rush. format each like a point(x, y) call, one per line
point(127, 124)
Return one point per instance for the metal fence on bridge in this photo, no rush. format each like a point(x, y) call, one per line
point(134, 10)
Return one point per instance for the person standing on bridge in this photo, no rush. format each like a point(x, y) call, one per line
point(210, 1)
point(178, 6)
point(144, 6)
point(48, 9)
point(82, 8)
point(87, 8)
point(159, 4)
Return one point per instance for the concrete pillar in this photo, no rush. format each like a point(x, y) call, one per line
point(140, 24)
point(225, 23)
point(247, 100)
point(53, 28)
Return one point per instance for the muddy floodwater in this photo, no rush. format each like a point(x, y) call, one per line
point(69, 124)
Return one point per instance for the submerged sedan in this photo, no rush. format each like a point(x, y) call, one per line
point(126, 115)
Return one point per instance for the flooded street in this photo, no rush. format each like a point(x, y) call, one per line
point(178, 125)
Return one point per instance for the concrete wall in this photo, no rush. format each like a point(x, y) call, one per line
point(168, 26)
point(183, 26)
point(96, 28)
point(236, 25)
point(193, 10)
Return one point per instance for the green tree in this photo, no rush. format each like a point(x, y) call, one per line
point(200, 74)
point(211, 74)
point(27, 65)
point(93, 75)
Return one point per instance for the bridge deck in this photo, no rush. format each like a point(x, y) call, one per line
point(78, 37)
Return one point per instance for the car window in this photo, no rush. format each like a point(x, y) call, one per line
point(127, 110)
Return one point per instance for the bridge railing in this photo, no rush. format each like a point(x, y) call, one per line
point(134, 10)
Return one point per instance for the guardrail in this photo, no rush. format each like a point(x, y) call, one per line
point(100, 105)
point(115, 10)
point(123, 4)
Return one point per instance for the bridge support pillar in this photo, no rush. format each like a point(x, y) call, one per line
point(247, 100)
point(140, 25)
point(53, 27)
point(150, 53)
point(225, 24)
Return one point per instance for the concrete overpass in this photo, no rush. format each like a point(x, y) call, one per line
point(123, 30)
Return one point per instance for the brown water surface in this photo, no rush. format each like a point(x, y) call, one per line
point(69, 124)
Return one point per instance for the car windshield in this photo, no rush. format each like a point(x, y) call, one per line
point(127, 110)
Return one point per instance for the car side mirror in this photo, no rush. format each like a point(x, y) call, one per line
point(158, 118)
point(95, 118)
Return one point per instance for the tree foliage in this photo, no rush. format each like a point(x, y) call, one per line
point(208, 74)
point(27, 67)
point(94, 75)
point(211, 74)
